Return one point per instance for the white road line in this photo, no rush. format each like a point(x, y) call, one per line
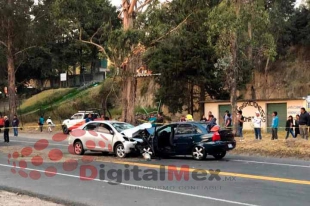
point(35, 142)
point(271, 163)
point(142, 187)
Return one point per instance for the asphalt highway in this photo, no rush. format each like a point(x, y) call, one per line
point(96, 179)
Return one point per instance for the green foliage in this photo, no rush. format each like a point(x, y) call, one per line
point(300, 27)
point(232, 21)
point(122, 42)
point(109, 91)
point(181, 53)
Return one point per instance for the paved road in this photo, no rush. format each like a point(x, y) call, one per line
point(242, 180)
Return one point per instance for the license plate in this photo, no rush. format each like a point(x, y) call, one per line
point(230, 146)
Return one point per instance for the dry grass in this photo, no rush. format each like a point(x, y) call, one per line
point(290, 148)
point(34, 128)
point(43, 96)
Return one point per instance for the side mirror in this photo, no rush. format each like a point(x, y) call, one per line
point(111, 132)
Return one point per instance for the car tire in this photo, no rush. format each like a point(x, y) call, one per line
point(219, 155)
point(199, 153)
point(120, 150)
point(78, 148)
point(65, 129)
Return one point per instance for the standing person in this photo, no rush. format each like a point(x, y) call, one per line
point(160, 119)
point(226, 116)
point(228, 121)
point(257, 122)
point(50, 124)
point(152, 120)
point(274, 125)
point(289, 127)
point(203, 118)
point(297, 125)
point(304, 122)
point(1, 122)
point(88, 119)
point(6, 129)
point(183, 119)
point(41, 123)
point(189, 118)
point(210, 116)
point(15, 124)
point(240, 125)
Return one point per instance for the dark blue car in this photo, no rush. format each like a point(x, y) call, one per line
point(198, 139)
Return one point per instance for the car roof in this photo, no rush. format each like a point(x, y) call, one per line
point(106, 121)
point(194, 122)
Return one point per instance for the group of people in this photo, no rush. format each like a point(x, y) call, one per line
point(156, 120)
point(49, 123)
point(5, 125)
point(300, 126)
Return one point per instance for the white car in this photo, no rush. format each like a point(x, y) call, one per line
point(105, 136)
point(77, 120)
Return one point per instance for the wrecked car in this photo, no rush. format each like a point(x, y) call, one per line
point(198, 139)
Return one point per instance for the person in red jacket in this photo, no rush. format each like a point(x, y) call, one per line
point(1, 122)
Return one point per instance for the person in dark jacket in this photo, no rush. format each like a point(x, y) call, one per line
point(15, 124)
point(304, 123)
point(297, 125)
point(228, 121)
point(289, 127)
point(6, 129)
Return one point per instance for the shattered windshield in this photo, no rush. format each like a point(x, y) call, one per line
point(121, 126)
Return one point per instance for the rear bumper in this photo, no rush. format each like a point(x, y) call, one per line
point(213, 147)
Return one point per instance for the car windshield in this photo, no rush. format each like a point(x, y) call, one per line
point(122, 126)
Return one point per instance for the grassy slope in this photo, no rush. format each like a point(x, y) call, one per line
point(44, 98)
point(63, 104)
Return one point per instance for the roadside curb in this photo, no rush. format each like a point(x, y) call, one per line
point(41, 197)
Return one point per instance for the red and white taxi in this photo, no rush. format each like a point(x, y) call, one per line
point(77, 120)
point(105, 136)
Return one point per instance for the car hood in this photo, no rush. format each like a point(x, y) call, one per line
point(132, 131)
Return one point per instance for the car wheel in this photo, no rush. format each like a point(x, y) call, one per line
point(219, 155)
point(120, 150)
point(65, 129)
point(199, 153)
point(78, 148)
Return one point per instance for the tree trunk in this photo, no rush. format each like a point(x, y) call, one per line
point(250, 49)
point(11, 68)
point(128, 15)
point(192, 99)
point(233, 87)
point(129, 88)
point(202, 99)
point(129, 81)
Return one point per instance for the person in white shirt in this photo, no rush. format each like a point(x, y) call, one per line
point(257, 122)
point(50, 124)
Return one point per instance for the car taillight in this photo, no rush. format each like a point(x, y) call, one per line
point(216, 137)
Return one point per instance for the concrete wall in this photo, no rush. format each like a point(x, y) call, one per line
point(293, 108)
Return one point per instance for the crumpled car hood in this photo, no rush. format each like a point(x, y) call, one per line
point(132, 131)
